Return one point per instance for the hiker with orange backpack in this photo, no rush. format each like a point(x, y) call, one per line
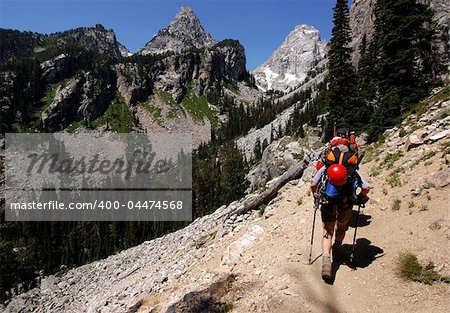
point(335, 186)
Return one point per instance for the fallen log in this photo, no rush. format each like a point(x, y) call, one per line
point(294, 172)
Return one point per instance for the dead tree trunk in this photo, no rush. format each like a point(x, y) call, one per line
point(294, 172)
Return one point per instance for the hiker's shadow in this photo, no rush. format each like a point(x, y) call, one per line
point(363, 219)
point(365, 254)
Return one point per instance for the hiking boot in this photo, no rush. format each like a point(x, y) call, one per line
point(326, 268)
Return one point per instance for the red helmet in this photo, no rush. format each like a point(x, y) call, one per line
point(337, 174)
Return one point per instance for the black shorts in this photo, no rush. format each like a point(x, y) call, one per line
point(331, 212)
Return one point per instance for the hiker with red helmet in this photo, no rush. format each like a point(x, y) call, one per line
point(339, 180)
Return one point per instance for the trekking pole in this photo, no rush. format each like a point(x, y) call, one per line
point(352, 256)
point(312, 234)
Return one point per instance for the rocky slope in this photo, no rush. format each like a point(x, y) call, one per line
point(362, 20)
point(23, 44)
point(164, 92)
point(17, 43)
point(183, 33)
point(94, 38)
point(289, 65)
point(247, 142)
point(256, 262)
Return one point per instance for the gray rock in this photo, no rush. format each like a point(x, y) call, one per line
point(418, 188)
point(56, 69)
point(362, 21)
point(183, 33)
point(85, 98)
point(413, 141)
point(440, 179)
point(438, 136)
point(234, 250)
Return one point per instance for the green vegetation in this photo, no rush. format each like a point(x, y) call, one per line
point(396, 205)
point(168, 99)
point(375, 171)
point(155, 111)
point(198, 107)
point(51, 92)
point(402, 133)
point(342, 104)
point(398, 67)
point(299, 201)
point(35, 113)
point(262, 209)
point(408, 267)
point(117, 117)
point(421, 107)
point(394, 179)
point(372, 152)
point(233, 89)
point(74, 126)
point(445, 114)
point(392, 157)
point(227, 43)
point(299, 156)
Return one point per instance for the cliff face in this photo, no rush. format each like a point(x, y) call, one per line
point(361, 23)
point(183, 33)
point(362, 20)
point(82, 72)
point(23, 44)
point(290, 64)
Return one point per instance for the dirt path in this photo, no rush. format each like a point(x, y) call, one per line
point(272, 274)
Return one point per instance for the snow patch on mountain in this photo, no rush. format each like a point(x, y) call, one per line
point(288, 66)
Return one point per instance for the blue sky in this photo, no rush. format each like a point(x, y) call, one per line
point(260, 25)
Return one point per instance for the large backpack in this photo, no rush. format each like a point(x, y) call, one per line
point(343, 155)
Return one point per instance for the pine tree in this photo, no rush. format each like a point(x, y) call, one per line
point(402, 48)
point(232, 182)
point(257, 150)
point(342, 94)
point(366, 88)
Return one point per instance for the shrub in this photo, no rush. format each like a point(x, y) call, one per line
point(445, 114)
point(396, 205)
point(262, 208)
point(394, 180)
point(408, 267)
point(392, 157)
point(402, 133)
point(375, 171)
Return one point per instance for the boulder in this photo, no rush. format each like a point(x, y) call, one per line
point(413, 141)
point(438, 136)
point(234, 251)
point(440, 179)
point(56, 69)
point(419, 187)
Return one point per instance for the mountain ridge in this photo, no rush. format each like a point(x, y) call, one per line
point(185, 31)
point(290, 63)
